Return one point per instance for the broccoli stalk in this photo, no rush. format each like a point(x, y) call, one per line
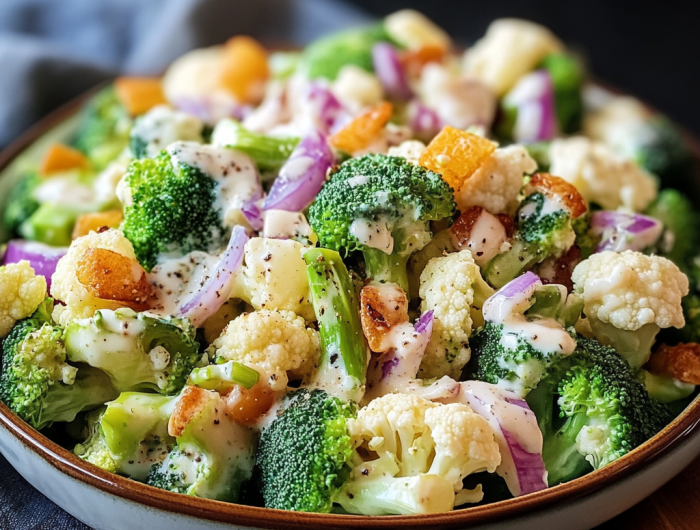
point(605, 408)
point(303, 456)
point(544, 229)
point(21, 204)
point(213, 456)
point(268, 152)
point(137, 351)
point(130, 434)
point(37, 383)
point(172, 209)
point(382, 206)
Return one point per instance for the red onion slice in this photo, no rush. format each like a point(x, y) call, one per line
point(211, 109)
point(532, 98)
point(215, 290)
point(42, 258)
point(517, 433)
point(424, 121)
point(625, 231)
point(513, 297)
point(326, 112)
point(390, 72)
point(302, 175)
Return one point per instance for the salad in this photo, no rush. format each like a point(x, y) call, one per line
point(375, 276)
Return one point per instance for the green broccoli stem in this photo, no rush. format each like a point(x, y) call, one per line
point(223, 377)
point(561, 458)
point(343, 363)
point(62, 403)
point(383, 267)
point(509, 265)
point(633, 346)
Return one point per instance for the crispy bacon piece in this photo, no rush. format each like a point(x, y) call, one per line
point(247, 405)
point(681, 362)
point(191, 402)
point(382, 306)
point(111, 276)
point(559, 189)
point(560, 270)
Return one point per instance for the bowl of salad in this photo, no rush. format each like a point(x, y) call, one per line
point(379, 282)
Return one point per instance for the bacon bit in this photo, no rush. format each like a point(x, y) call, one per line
point(559, 189)
point(462, 228)
point(247, 405)
point(413, 61)
point(191, 403)
point(559, 271)
point(381, 308)
point(361, 131)
point(508, 223)
point(681, 362)
point(97, 221)
point(110, 276)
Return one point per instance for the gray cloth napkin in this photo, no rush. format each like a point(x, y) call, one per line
point(51, 51)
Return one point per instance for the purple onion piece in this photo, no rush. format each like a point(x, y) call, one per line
point(210, 110)
point(215, 290)
point(253, 214)
point(424, 324)
point(389, 365)
point(42, 258)
point(529, 466)
point(327, 112)
point(533, 99)
point(302, 175)
point(513, 297)
point(518, 402)
point(390, 72)
point(621, 231)
point(424, 121)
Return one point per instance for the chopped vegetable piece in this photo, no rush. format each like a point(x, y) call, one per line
point(361, 131)
point(139, 94)
point(89, 222)
point(244, 69)
point(60, 158)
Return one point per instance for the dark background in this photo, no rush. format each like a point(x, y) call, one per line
point(648, 48)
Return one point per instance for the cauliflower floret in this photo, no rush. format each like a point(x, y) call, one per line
point(411, 150)
point(621, 124)
point(79, 303)
point(21, 292)
point(274, 277)
point(276, 342)
point(510, 49)
point(357, 88)
point(628, 297)
point(602, 176)
point(496, 184)
point(160, 127)
point(451, 286)
point(414, 30)
point(458, 101)
point(421, 446)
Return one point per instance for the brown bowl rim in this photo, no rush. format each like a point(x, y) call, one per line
point(671, 437)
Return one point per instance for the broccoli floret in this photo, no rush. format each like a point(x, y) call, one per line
point(543, 230)
point(214, 455)
point(130, 434)
point(681, 227)
point(381, 205)
point(160, 127)
point(539, 152)
point(172, 209)
point(586, 240)
point(139, 352)
point(592, 409)
point(662, 150)
point(326, 56)
point(567, 76)
point(21, 204)
point(37, 383)
point(104, 127)
point(268, 152)
point(303, 456)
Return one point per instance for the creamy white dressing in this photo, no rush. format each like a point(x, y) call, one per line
point(66, 190)
point(358, 180)
point(177, 279)
point(373, 234)
point(544, 334)
point(485, 238)
point(237, 178)
point(280, 224)
point(162, 125)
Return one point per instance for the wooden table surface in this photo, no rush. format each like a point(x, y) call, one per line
point(676, 506)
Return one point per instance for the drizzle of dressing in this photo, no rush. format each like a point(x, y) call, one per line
point(544, 334)
point(374, 234)
point(237, 178)
point(485, 238)
point(162, 125)
point(176, 280)
point(280, 224)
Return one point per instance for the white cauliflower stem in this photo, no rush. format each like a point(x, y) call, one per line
point(277, 343)
point(21, 292)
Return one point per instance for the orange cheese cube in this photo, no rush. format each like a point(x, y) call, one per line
point(139, 94)
point(364, 129)
point(456, 155)
point(244, 69)
point(59, 157)
point(89, 222)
